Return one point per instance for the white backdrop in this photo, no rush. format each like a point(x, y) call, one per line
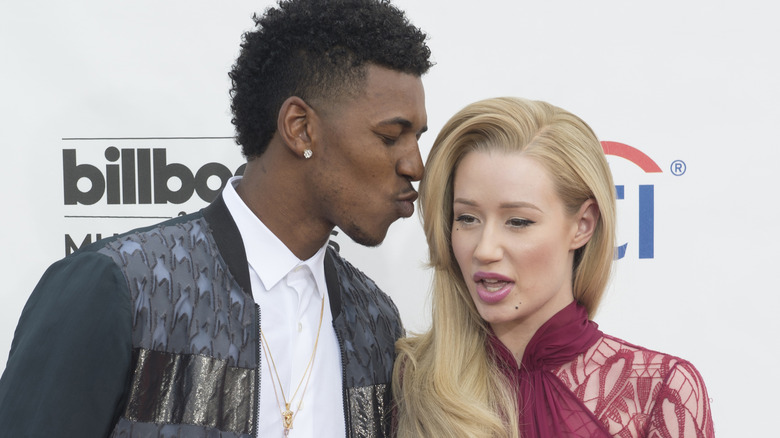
point(693, 81)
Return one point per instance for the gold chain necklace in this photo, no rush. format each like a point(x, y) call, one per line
point(288, 415)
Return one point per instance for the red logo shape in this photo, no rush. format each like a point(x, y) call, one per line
point(631, 154)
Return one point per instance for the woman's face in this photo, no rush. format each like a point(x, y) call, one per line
point(513, 239)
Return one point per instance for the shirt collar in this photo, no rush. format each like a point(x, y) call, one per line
point(266, 254)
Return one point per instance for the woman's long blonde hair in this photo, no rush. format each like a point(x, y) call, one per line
point(444, 383)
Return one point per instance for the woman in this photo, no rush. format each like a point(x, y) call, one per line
point(518, 207)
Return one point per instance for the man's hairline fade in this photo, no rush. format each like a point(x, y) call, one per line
point(337, 72)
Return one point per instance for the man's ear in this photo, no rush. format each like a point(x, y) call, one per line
point(587, 218)
point(293, 125)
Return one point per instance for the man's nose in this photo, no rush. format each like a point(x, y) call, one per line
point(410, 165)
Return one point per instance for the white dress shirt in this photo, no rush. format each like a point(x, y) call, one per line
point(290, 293)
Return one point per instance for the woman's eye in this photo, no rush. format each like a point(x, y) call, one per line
point(519, 223)
point(466, 219)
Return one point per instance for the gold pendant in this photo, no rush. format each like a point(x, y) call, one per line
point(287, 418)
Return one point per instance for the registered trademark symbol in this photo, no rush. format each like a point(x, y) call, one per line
point(678, 167)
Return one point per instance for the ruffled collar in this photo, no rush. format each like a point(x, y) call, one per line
point(558, 341)
point(547, 408)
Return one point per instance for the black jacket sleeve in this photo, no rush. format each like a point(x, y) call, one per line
point(70, 359)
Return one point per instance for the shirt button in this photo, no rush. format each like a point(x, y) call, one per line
point(300, 327)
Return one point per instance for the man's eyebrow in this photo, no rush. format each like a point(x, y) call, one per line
point(403, 122)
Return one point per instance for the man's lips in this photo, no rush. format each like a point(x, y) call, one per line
point(406, 203)
point(492, 287)
point(409, 196)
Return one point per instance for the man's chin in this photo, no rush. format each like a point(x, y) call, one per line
point(362, 237)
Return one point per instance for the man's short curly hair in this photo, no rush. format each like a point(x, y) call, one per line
point(316, 49)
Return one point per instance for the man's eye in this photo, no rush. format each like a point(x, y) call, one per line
point(388, 141)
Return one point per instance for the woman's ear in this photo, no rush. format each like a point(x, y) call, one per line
point(293, 126)
point(587, 218)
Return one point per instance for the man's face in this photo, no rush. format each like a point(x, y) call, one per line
point(367, 156)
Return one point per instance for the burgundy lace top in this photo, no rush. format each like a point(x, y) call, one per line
point(575, 381)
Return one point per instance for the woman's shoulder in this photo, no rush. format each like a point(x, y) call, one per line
point(611, 348)
point(618, 366)
point(619, 379)
point(634, 361)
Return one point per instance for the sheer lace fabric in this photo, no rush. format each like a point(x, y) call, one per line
point(575, 381)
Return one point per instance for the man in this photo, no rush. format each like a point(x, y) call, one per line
point(239, 320)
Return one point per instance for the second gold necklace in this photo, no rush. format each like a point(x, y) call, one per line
point(287, 414)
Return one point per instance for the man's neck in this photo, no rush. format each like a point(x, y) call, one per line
point(271, 195)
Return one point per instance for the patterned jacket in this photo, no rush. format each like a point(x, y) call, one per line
point(154, 333)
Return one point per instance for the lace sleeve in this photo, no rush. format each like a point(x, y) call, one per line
point(682, 406)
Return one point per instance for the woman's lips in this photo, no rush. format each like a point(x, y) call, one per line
point(492, 287)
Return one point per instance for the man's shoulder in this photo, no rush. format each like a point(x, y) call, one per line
point(171, 228)
point(137, 252)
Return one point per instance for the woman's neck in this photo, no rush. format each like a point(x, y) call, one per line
point(516, 334)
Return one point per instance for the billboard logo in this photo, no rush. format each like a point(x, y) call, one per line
point(139, 176)
point(646, 197)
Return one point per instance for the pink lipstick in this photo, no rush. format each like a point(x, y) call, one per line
point(492, 287)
